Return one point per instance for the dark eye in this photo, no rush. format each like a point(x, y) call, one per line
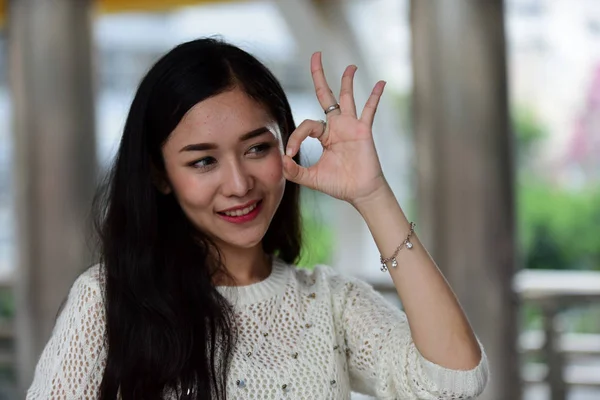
point(260, 148)
point(203, 163)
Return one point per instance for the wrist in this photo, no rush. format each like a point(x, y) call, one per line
point(378, 197)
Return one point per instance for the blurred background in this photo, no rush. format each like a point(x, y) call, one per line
point(489, 133)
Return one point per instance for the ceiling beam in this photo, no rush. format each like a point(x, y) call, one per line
point(119, 6)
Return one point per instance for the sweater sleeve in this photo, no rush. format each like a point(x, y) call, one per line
point(383, 360)
point(72, 363)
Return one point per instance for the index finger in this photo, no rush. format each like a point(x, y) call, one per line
point(324, 93)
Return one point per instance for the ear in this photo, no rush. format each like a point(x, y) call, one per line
point(159, 180)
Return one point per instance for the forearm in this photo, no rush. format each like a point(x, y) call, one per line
point(438, 325)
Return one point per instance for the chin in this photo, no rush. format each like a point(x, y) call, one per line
point(242, 245)
point(243, 241)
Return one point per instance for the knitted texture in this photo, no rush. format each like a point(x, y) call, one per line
point(73, 361)
point(302, 335)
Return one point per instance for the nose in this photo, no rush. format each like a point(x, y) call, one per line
point(237, 181)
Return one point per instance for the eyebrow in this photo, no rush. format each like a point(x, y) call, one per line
point(212, 146)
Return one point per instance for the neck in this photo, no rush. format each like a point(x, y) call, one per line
point(246, 266)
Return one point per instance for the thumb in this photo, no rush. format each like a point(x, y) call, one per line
point(295, 173)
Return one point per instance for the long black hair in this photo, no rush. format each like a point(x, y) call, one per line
point(168, 330)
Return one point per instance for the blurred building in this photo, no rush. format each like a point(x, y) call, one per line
point(554, 56)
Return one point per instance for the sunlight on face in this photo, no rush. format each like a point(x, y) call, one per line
point(226, 153)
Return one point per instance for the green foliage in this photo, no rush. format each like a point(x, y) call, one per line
point(318, 243)
point(7, 305)
point(559, 229)
point(529, 131)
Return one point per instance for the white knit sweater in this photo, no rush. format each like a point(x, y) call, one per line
point(303, 335)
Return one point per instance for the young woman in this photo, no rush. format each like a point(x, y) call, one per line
point(197, 296)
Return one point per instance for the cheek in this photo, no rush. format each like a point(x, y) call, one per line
point(190, 190)
point(274, 171)
point(275, 181)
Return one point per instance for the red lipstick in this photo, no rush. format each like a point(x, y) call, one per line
point(242, 218)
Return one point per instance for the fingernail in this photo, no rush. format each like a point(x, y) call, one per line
point(288, 151)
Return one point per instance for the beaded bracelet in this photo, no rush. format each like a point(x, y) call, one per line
point(406, 243)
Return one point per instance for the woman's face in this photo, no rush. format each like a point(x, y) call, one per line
point(223, 164)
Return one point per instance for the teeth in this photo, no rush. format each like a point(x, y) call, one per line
point(239, 213)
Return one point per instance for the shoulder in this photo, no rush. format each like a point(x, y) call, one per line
point(88, 289)
point(325, 277)
point(343, 288)
point(91, 279)
point(351, 299)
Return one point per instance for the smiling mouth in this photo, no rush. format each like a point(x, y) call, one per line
point(241, 212)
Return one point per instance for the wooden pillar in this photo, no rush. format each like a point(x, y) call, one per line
point(465, 172)
point(51, 82)
point(555, 359)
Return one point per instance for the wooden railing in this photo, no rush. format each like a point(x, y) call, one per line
point(553, 291)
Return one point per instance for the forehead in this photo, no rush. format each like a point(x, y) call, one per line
point(224, 116)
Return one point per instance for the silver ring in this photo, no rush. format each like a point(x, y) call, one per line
point(329, 109)
point(324, 123)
